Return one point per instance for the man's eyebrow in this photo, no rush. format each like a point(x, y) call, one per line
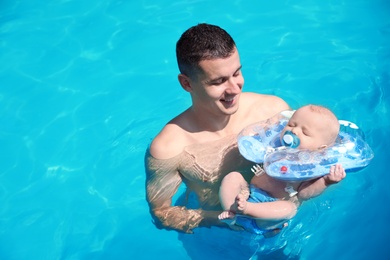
point(223, 77)
point(239, 68)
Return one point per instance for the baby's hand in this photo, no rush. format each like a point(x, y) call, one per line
point(241, 203)
point(336, 174)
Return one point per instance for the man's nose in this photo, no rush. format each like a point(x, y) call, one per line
point(233, 86)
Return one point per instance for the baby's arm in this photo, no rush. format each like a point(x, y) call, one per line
point(314, 188)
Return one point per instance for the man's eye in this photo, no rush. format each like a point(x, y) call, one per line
point(218, 82)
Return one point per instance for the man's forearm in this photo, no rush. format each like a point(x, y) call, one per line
point(185, 220)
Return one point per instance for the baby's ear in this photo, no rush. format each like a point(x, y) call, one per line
point(323, 147)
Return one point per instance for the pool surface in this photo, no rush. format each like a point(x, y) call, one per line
point(86, 85)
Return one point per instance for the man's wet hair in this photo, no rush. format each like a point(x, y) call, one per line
point(202, 42)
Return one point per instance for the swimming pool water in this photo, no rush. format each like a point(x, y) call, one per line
point(85, 86)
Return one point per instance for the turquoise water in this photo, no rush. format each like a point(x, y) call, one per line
point(85, 86)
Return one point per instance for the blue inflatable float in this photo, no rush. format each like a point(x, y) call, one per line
point(261, 143)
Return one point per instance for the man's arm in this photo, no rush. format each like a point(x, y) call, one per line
point(162, 182)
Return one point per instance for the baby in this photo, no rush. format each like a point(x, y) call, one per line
point(264, 207)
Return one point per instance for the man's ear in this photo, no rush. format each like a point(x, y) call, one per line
point(185, 82)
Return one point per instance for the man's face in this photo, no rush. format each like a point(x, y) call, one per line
point(218, 85)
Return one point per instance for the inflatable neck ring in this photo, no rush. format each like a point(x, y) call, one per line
point(261, 143)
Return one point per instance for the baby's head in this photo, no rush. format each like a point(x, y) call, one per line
point(315, 126)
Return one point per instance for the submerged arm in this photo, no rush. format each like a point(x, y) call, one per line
point(162, 182)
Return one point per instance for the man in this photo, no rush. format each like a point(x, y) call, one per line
point(198, 147)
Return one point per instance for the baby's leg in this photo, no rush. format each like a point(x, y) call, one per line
point(238, 206)
point(232, 185)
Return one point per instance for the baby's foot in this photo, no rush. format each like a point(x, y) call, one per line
point(226, 215)
point(229, 218)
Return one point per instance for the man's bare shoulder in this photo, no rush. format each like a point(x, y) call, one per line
point(170, 141)
point(266, 105)
point(265, 100)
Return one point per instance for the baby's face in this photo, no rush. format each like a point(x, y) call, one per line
point(310, 127)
